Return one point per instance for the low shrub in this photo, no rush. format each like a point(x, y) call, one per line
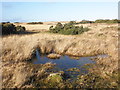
point(20, 28)
point(72, 22)
point(68, 29)
point(9, 28)
point(85, 21)
point(107, 21)
point(4, 22)
point(35, 23)
point(16, 22)
point(100, 21)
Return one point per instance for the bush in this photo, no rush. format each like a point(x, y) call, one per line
point(5, 22)
point(85, 21)
point(100, 21)
point(68, 29)
point(35, 23)
point(107, 21)
point(72, 23)
point(9, 28)
point(16, 22)
point(20, 29)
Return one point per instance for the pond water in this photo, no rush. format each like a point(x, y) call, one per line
point(67, 63)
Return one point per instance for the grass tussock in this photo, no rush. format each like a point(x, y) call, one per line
point(16, 48)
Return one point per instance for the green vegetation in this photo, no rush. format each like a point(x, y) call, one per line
point(35, 23)
point(107, 21)
point(100, 21)
point(90, 80)
point(68, 29)
point(54, 80)
point(16, 22)
point(93, 80)
point(71, 29)
point(9, 28)
point(20, 28)
point(85, 21)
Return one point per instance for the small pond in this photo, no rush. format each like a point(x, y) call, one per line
point(67, 63)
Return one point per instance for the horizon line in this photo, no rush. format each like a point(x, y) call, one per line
point(59, 20)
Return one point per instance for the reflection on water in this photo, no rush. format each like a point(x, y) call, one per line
point(66, 62)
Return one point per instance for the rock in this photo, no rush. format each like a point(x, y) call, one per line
point(53, 56)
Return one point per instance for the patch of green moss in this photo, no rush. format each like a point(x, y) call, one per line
point(54, 80)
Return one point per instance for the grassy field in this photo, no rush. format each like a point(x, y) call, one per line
point(17, 50)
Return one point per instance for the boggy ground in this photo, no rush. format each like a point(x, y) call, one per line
point(17, 51)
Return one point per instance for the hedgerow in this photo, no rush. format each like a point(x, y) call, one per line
point(35, 23)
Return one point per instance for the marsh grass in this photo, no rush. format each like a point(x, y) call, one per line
point(21, 48)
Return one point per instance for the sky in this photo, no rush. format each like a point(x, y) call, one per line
point(58, 11)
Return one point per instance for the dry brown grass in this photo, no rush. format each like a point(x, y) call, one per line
point(20, 74)
point(39, 27)
point(100, 39)
point(95, 41)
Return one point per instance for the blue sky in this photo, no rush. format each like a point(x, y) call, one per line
point(58, 11)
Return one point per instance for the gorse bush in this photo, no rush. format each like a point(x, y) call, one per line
point(68, 29)
point(9, 28)
point(35, 23)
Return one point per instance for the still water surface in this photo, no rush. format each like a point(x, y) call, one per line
point(66, 62)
